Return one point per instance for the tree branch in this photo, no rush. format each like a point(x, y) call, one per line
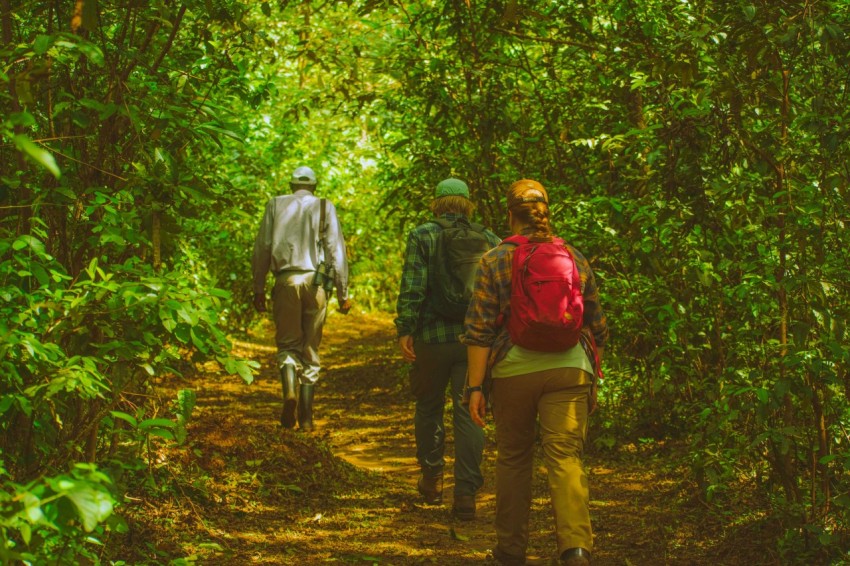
point(539, 39)
point(175, 26)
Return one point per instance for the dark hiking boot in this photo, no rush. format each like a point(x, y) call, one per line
point(430, 487)
point(289, 381)
point(464, 507)
point(305, 408)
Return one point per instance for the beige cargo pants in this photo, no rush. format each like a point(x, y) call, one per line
point(560, 398)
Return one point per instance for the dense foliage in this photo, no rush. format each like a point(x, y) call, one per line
point(107, 126)
point(698, 153)
point(696, 150)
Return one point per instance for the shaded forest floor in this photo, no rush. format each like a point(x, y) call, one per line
point(244, 491)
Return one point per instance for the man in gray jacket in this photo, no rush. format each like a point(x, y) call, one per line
point(300, 241)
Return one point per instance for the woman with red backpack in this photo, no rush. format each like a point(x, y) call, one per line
point(535, 330)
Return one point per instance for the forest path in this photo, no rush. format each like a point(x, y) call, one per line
point(346, 493)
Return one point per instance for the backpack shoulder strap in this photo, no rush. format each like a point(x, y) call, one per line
point(516, 240)
point(441, 222)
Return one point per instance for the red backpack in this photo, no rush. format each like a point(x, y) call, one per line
point(547, 308)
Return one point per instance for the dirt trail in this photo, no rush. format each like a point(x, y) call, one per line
point(249, 492)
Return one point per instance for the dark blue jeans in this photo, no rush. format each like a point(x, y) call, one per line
point(438, 366)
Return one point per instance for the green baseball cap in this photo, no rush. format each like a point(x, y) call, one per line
point(451, 187)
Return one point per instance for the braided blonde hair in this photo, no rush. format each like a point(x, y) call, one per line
point(528, 202)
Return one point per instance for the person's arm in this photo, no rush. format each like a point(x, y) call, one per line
point(261, 260)
point(594, 390)
point(480, 332)
point(405, 343)
point(411, 295)
point(477, 357)
point(594, 317)
point(594, 320)
point(335, 254)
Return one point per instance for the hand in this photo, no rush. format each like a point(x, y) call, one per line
point(260, 302)
point(345, 306)
point(477, 407)
point(592, 399)
point(406, 345)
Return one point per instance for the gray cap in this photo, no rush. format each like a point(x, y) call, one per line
point(303, 176)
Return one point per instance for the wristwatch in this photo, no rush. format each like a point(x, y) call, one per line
point(473, 388)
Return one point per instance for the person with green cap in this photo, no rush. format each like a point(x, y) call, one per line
point(431, 304)
point(300, 239)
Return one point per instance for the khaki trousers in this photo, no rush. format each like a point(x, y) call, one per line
point(299, 316)
point(560, 398)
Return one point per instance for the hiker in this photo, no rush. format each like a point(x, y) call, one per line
point(558, 387)
point(432, 302)
point(300, 241)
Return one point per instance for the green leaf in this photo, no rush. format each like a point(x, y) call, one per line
point(93, 505)
point(90, 50)
point(125, 417)
point(243, 369)
point(26, 533)
point(223, 131)
point(41, 44)
point(157, 423)
point(184, 314)
point(23, 119)
point(28, 241)
point(32, 508)
point(38, 154)
point(182, 333)
point(6, 401)
point(40, 274)
point(162, 433)
point(200, 339)
point(186, 400)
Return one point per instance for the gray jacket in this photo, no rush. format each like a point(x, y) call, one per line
point(288, 240)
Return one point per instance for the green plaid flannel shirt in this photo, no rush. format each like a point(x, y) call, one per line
point(492, 298)
point(415, 315)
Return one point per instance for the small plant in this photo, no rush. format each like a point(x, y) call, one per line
point(62, 516)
